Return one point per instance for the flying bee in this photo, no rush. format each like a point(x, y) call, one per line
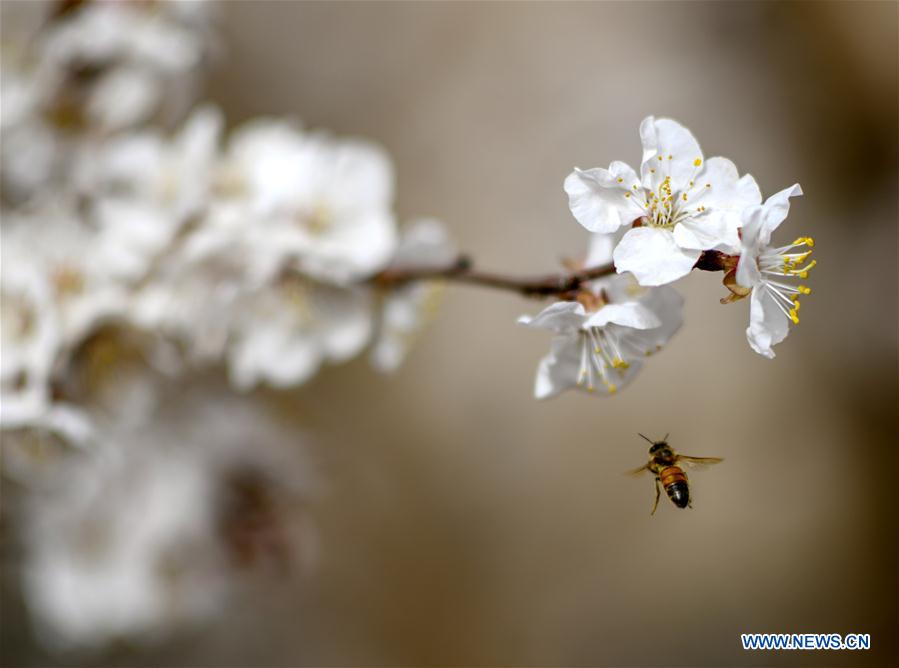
point(664, 464)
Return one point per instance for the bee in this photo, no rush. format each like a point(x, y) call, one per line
point(663, 463)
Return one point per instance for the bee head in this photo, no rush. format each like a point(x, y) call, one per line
point(658, 445)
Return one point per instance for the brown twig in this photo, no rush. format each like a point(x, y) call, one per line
point(461, 271)
point(566, 285)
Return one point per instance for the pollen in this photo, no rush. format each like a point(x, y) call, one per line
point(697, 162)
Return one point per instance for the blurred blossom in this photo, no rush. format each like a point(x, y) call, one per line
point(285, 331)
point(72, 77)
point(84, 265)
point(323, 204)
point(153, 174)
point(404, 309)
point(124, 61)
point(153, 531)
point(30, 339)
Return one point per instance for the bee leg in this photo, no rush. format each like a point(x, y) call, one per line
point(658, 494)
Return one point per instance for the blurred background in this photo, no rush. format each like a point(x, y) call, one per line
point(463, 523)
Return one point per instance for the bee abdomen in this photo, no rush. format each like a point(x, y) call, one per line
point(674, 480)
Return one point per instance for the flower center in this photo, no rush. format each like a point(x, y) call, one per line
point(318, 220)
point(791, 262)
point(19, 318)
point(666, 207)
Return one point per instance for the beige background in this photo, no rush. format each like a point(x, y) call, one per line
point(467, 524)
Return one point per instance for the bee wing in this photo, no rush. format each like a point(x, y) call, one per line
point(699, 461)
point(638, 471)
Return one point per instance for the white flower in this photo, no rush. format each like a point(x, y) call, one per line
point(148, 532)
point(282, 333)
point(168, 177)
point(771, 272)
point(194, 288)
point(124, 62)
point(87, 270)
point(680, 206)
point(601, 339)
point(324, 204)
point(424, 243)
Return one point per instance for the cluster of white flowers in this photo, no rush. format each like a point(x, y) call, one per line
point(681, 212)
point(140, 246)
point(255, 251)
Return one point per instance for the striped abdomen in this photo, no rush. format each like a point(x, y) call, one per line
point(674, 480)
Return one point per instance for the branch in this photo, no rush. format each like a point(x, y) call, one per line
point(565, 285)
point(462, 271)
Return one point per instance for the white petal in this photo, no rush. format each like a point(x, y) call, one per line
point(424, 242)
point(557, 317)
point(710, 230)
point(345, 321)
point(718, 185)
point(631, 314)
point(748, 274)
point(599, 251)
point(349, 250)
point(667, 304)
point(267, 354)
point(652, 255)
point(777, 207)
point(598, 201)
point(558, 371)
point(124, 97)
point(663, 138)
point(768, 324)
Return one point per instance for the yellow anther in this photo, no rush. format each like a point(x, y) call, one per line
point(796, 304)
point(794, 317)
point(652, 170)
point(627, 194)
point(590, 388)
point(597, 350)
point(670, 156)
point(620, 179)
point(804, 290)
point(660, 158)
point(809, 242)
point(613, 388)
point(685, 197)
point(697, 162)
point(619, 363)
point(708, 185)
